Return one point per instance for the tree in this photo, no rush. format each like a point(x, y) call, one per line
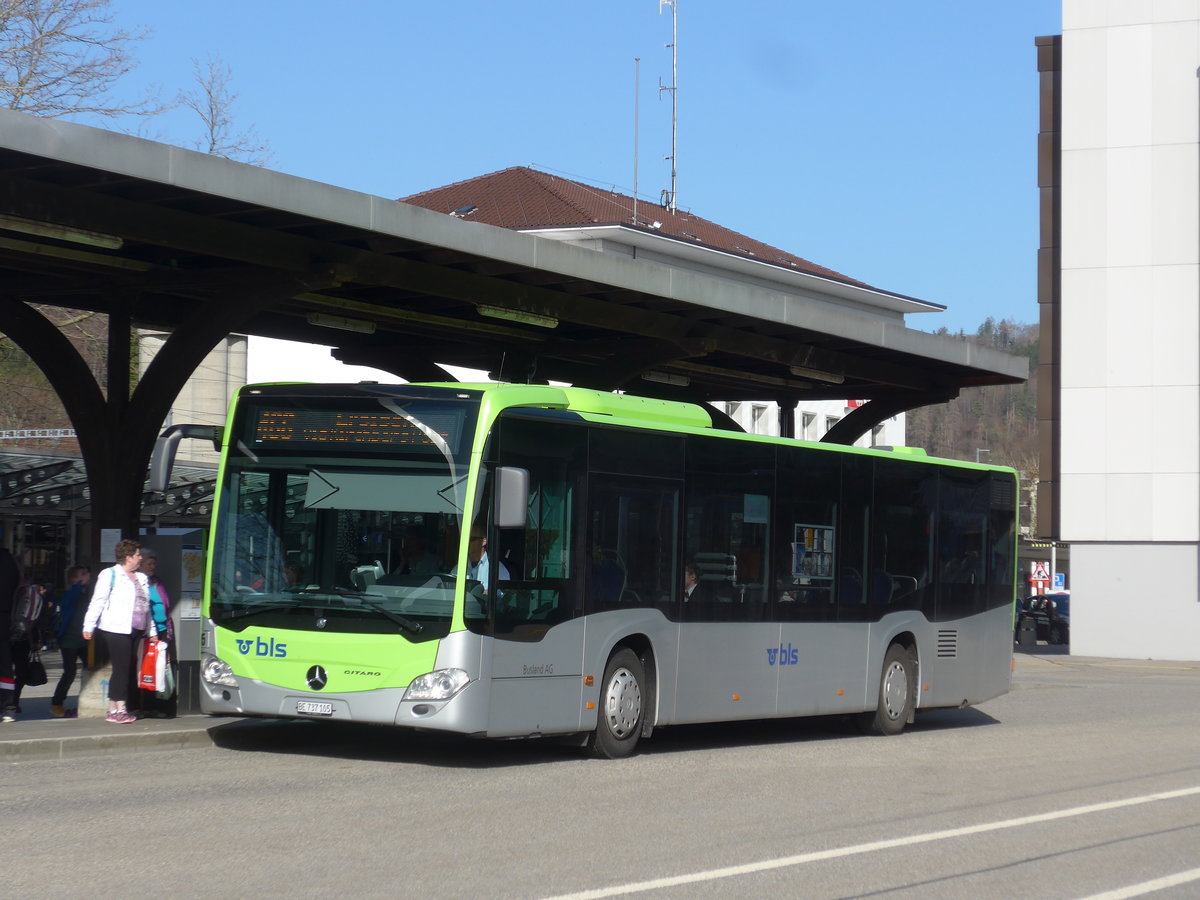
point(64, 57)
point(212, 101)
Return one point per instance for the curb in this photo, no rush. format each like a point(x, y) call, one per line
point(79, 746)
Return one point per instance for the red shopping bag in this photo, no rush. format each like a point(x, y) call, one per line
point(154, 658)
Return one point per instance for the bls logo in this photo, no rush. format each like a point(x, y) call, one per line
point(787, 656)
point(261, 647)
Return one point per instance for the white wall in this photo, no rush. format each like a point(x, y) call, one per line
point(763, 418)
point(1136, 601)
point(1130, 362)
point(205, 398)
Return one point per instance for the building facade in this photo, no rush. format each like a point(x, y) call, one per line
point(812, 420)
point(1120, 294)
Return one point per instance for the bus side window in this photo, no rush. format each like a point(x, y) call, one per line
point(631, 542)
point(807, 565)
point(904, 509)
point(727, 523)
point(541, 558)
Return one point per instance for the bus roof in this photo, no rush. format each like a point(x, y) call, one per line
point(633, 411)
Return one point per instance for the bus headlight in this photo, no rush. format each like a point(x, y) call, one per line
point(216, 671)
point(440, 685)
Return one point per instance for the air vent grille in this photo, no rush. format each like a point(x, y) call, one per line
point(947, 644)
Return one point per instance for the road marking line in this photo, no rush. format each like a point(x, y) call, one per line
point(767, 865)
point(1148, 887)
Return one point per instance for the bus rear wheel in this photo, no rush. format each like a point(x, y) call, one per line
point(897, 693)
point(622, 708)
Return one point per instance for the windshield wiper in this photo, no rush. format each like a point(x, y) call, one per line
point(266, 608)
point(350, 597)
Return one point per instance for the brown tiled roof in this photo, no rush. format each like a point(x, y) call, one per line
point(522, 198)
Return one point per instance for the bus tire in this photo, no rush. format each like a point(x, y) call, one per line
point(622, 706)
point(897, 693)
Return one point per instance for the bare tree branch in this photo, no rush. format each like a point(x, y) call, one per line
point(64, 57)
point(212, 100)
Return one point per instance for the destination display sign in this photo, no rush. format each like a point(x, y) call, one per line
point(428, 428)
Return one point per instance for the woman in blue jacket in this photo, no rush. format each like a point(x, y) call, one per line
point(71, 610)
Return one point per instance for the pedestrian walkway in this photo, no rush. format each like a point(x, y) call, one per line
point(38, 734)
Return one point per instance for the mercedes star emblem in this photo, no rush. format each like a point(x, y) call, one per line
point(316, 678)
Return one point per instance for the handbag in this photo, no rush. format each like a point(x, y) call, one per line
point(154, 658)
point(35, 674)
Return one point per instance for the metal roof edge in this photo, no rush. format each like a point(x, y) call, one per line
point(96, 148)
point(864, 294)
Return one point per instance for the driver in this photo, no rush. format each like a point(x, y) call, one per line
point(478, 564)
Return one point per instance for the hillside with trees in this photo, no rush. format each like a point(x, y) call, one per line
point(995, 424)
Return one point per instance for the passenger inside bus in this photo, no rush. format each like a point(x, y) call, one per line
point(695, 590)
point(415, 558)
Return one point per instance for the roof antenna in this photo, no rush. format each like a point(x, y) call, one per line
point(669, 196)
point(637, 74)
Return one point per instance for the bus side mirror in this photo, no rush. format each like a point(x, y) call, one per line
point(512, 497)
point(163, 459)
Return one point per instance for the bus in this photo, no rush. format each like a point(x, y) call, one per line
point(516, 561)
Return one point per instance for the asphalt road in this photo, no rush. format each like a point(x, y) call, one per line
point(1083, 782)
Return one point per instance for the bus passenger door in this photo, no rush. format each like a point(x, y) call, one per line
point(536, 665)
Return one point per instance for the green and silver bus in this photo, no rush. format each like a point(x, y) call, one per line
point(511, 561)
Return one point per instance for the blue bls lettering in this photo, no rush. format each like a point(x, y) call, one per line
point(261, 647)
point(785, 656)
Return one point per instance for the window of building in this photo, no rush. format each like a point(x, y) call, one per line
point(758, 419)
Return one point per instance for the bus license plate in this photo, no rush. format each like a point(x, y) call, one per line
point(309, 708)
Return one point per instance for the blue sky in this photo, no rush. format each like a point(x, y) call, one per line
point(894, 142)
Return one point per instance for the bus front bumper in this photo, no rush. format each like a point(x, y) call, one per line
point(464, 713)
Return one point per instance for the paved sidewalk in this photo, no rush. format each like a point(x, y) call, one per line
point(39, 735)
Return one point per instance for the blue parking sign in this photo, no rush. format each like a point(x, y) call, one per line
point(1060, 581)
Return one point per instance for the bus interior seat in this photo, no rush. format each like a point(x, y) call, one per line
point(850, 586)
point(608, 577)
point(718, 572)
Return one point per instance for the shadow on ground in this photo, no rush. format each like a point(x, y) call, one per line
point(347, 740)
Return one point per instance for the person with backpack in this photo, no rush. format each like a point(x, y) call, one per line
point(10, 577)
point(72, 608)
point(29, 599)
point(120, 613)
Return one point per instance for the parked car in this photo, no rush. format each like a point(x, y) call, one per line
point(1051, 615)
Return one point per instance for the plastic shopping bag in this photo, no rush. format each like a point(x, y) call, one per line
point(168, 686)
point(154, 660)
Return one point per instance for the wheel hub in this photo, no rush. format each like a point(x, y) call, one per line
point(895, 690)
point(622, 703)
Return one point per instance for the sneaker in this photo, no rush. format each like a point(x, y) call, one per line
point(71, 714)
point(7, 718)
point(129, 717)
point(57, 709)
point(117, 717)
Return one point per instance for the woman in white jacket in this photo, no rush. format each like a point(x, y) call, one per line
point(120, 613)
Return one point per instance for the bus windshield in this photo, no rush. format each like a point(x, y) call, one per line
point(343, 511)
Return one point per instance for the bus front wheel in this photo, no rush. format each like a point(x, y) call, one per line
point(897, 693)
point(622, 707)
